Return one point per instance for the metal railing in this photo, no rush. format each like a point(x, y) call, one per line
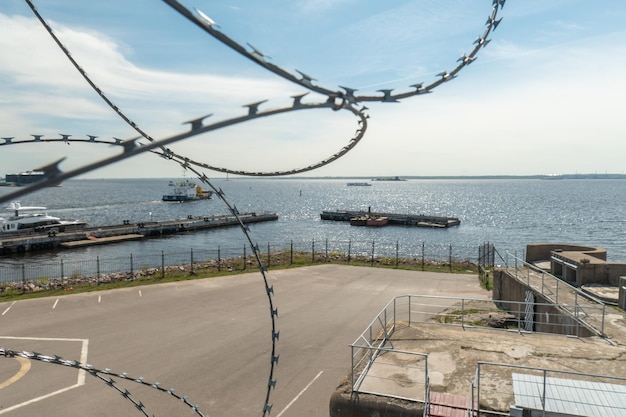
point(368, 362)
point(503, 390)
point(373, 360)
point(581, 306)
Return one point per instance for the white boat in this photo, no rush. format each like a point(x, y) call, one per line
point(24, 219)
point(186, 190)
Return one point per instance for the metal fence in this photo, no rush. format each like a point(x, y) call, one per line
point(374, 358)
point(389, 253)
point(520, 391)
point(373, 361)
point(577, 304)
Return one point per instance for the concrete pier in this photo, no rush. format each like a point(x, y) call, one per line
point(418, 220)
point(33, 241)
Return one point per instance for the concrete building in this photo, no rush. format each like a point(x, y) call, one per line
point(584, 267)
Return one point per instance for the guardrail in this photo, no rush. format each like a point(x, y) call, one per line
point(371, 345)
point(545, 392)
point(368, 351)
point(581, 306)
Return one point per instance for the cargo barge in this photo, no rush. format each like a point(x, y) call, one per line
point(418, 220)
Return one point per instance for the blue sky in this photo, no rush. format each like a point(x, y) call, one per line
point(547, 95)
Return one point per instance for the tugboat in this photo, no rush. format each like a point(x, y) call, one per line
point(186, 190)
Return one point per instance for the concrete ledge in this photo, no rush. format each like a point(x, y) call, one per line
point(342, 404)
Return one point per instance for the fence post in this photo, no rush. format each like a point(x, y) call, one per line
point(410, 310)
point(162, 264)
point(477, 389)
point(422, 256)
point(543, 393)
point(191, 263)
point(219, 259)
point(244, 257)
point(313, 251)
point(268, 254)
point(576, 313)
point(98, 270)
point(349, 247)
point(62, 273)
point(372, 260)
point(352, 366)
point(450, 257)
point(291, 252)
point(23, 278)
point(131, 266)
point(326, 250)
point(463, 313)
point(397, 251)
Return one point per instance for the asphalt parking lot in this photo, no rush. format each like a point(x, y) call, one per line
point(208, 339)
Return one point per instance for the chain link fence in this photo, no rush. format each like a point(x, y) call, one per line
point(98, 269)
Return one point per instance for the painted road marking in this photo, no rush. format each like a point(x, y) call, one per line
point(24, 368)
point(55, 304)
point(299, 394)
point(81, 372)
point(8, 308)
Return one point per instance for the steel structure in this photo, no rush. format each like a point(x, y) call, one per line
point(342, 99)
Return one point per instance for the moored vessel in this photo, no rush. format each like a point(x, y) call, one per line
point(27, 218)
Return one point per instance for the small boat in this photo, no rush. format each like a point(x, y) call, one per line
point(359, 221)
point(186, 190)
point(377, 221)
point(37, 222)
point(358, 184)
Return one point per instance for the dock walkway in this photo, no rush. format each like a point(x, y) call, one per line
point(418, 220)
point(32, 240)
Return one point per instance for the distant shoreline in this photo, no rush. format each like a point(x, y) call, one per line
point(401, 177)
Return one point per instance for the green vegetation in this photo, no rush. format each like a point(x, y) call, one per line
point(47, 287)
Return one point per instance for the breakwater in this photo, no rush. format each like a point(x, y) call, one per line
point(33, 240)
point(418, 220)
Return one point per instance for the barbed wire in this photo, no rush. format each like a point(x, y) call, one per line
point(343, 99)
point(105, 375)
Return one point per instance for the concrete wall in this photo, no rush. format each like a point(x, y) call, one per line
point(547, 318)
point(541, 251)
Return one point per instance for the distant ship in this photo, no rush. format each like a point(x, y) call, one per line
point(33, 176)
point(388, 179)
point(186, 190)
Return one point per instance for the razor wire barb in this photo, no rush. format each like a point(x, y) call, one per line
point(344, 99)
point(106, 375)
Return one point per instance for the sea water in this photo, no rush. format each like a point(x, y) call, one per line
point(509, 213)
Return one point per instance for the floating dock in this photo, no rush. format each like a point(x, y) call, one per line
point(33, 241)
point(418, 220)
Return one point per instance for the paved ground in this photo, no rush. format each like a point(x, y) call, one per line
point(209, 339)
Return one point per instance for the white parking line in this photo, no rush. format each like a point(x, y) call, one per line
point(55, 304)
point(99, 299)
point(81, 372)
point(299, 394)
point(8, 308)
point(140, 294)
